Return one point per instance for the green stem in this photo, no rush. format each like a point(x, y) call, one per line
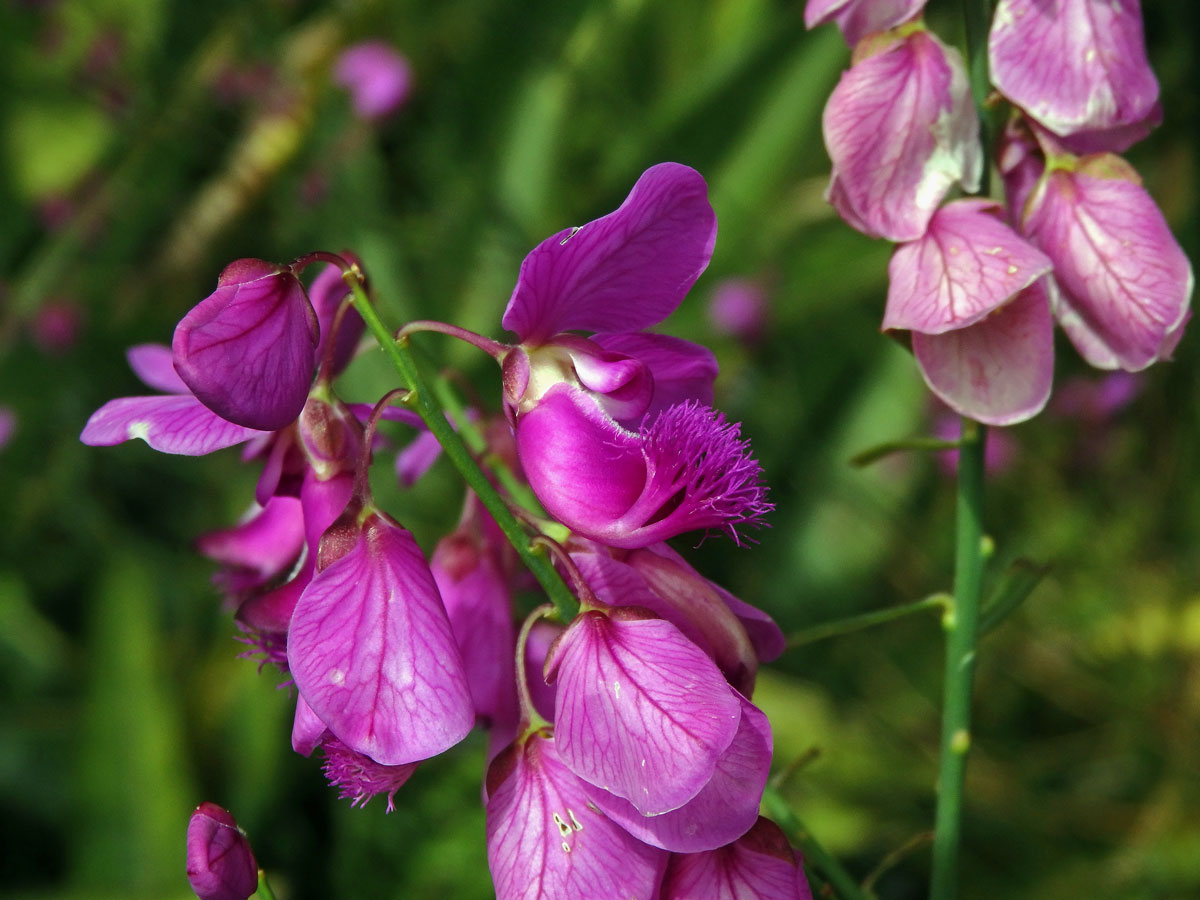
point(867, 620)
point(431, 412)
point(264, 891)
point(978, 16)
point(962, 632)
point(815, 855)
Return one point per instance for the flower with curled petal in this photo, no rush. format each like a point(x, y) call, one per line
point(614, 431)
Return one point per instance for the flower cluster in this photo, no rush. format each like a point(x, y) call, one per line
point(626, 757)
point(1079, 241)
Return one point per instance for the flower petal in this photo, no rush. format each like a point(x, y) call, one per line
point(623, 272)
point(326, 293)
point(153, 364)
point(966, 264)
point(1073, 65)
point(545, 841)
point(858, 18)
point(642, 711)
point(682, 370)
point(246, 351)
point(998, 370)
point(901, 128)
point(726, 807)
point(371, 650)
point(688, 470)
point(175, 423)
point(760, 864)
point(266, 543)
point(1126, 284)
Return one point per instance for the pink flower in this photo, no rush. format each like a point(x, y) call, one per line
point(1078, 67)
point(760, 864)
point(378, 78)
point(1123, 285)
point(901, 129)
point(982, 332)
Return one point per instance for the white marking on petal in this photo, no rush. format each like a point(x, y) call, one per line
point(139, 430)
point(337, 676)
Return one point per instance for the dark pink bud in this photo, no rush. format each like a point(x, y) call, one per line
point(247, 350)
point(220, 863)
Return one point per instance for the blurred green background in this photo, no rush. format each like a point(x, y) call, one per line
point(146, 143)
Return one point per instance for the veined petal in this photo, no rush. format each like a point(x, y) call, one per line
point(545, 841)
point(1125, 282)
point(622, 272)
point(371, 650)
point(307, 728)
point(642, 711)
point(152, 363)
point(901, 128)
point(998, 370)
point(247, 350)
point(682, 370)
point(1073, 65)
point(858, 18)
point(726, 807)
point(966, 264)
point(173, 423)
point(760, 864)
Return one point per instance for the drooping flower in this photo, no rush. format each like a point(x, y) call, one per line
point(220, 863)
point(1077, 67)
point(724, 809)
point(174, 422)
point(546, 840)
point(858, 18)
point(378, 78)
point(613, 431)
point(953, 288)
point(901, 129)
point(641, 711)
point(1123, 284)
point(760, 864)
point(247, 350)
point(371, 649)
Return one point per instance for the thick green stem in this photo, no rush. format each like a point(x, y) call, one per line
point(815, 856)
point(867, 620)
point(962, 632)
point(431, 412)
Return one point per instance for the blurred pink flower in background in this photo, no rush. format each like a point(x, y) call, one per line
point(738, 307)
point(8, 425)
point(55, 327)
point(378, 78)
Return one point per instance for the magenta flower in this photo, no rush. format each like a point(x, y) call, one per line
point(673, 590)
point(378, 78)
point(901, 129)
point(220, 863)
point(1077, 67)
point(247, 350)
point(546, 840)
point(1124, 284)
point(760, 864)
point(858, 18)
point(614, 432)
point(724, 809)
point(642, 712)
point(953, 288)
point(176, 422)
point(261, 548)
point(371, 649)
point(8, 425)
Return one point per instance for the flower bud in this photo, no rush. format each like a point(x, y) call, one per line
point(220, 863)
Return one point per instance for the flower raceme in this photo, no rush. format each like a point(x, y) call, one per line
point(615, 431)
point(1085, 245)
